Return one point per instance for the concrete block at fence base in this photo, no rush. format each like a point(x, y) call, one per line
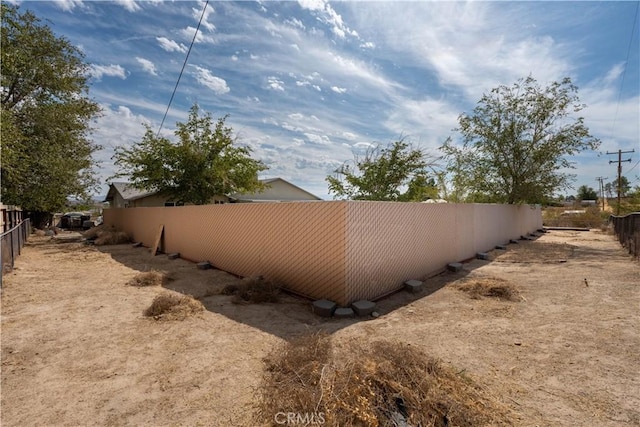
point(501, 247)
point(513, 241)
point(343, 313)
point(413, 286)
point(542, 230)
point(174, 255)
point(137, 245)
point(363, 307)
point(454, 266)
point(482, 255)
point(204, 265)
point(323, 307)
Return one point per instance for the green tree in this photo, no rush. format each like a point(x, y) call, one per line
point(205, 162)
point(46, 112)
point(625, 187)
point(515, 143)
point(586, 193)
point(396, 172)
point(608, 189)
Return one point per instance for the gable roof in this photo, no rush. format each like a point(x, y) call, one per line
point(127, 191)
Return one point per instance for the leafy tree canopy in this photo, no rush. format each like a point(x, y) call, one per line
point(205, 162)
point(46, 152)
point(515, 143)
point(586, 193)
point(625, 187)
point(396, 172)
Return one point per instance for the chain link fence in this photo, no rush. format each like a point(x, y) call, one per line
point(11, 243)
point(627, 230)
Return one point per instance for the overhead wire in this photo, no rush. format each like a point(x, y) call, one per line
point(195, 35)
point(624, 71)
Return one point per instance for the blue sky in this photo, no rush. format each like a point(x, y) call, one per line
point(307, 84)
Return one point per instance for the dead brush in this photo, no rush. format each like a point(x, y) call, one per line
point(255, 290)
point(106, 235)
point(150, 278)
point(171, 306)
point(372, 384)
point(492, 287)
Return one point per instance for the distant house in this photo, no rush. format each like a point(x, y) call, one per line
point(123, 195)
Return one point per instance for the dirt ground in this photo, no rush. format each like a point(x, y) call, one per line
point(76, 349)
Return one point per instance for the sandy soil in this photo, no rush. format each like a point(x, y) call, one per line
point(76, 349)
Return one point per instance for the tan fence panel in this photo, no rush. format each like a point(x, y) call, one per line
point(300, 245)
point(342, 251)
point(389, 243)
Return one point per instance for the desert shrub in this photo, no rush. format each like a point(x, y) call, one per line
point(592, 217)
point(106, 235)
point(370, 384)
point(149, 278)
point(490, 287)
point(254, 290)
point(112, 238)
point(171, 306)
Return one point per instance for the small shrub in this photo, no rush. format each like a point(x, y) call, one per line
point(149, 278)
point(490, 287)
point(171, 306)
point(112, 238)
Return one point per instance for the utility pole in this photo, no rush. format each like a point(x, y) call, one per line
point(601, 181)
point(619, 161)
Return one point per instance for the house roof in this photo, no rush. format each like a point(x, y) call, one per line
point(127, 191)
point(268, 181)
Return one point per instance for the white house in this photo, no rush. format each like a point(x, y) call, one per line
point(123, 195)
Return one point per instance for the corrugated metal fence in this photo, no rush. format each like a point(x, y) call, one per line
point(11, 245)
point(627, 229)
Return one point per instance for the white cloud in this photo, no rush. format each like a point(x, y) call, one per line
point(170, 45)
point(326, 14)
point(337, 89)
point(296, 23)
point(207, 79)
point(98, 71)
point(317, 139)
point(197, 13)
point(615, 72)
point(275, 84)
point(368, 45)
point(234, 57)
point(130, 5)
point(349, 136)
point(147, 65)
point(188, 33)
point(67, 5)
point(296, 116)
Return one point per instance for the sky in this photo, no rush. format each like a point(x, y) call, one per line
point(309, 84)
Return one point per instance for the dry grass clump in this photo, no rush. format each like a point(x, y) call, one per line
point(377, 384)
point(171, 306)
point(255, 290)
point(106, 235)
point(149, 278)
point(39, 233)
point(492, 287)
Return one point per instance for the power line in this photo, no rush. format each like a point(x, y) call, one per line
point(624, 71)
point(195, 34)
